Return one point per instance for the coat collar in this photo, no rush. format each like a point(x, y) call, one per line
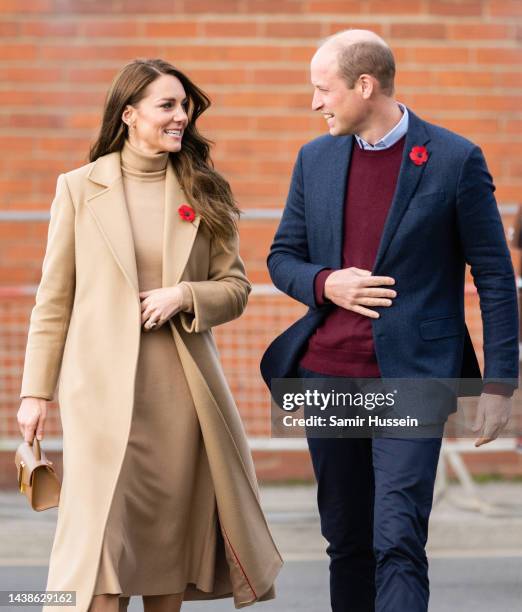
point(335, 186)
point(108, 206)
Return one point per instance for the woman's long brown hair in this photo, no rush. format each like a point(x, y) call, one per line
point(206, 190)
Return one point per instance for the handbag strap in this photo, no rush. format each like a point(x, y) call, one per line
point(36, 448)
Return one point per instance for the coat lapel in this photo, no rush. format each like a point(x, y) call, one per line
point(334, 177)
point(179, 235)
point(109, 209)
point(409, 177)
point(108, 206)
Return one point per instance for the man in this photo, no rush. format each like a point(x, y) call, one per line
point(382, 215)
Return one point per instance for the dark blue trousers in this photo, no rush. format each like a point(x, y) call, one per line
point(375, 498)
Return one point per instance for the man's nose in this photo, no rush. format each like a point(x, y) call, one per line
point(316, 101)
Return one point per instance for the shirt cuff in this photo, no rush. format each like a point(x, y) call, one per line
point(319, 282)
point(496, 388)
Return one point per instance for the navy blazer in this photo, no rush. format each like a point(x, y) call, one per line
point(443, 214)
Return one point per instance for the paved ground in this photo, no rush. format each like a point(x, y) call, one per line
point(476, 558)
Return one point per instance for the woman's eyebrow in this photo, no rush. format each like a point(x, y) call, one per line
point(172, 99)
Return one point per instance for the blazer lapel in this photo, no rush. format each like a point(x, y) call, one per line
point(108, 206)
point(179, 234)
point(334, 177)
point(409, 177)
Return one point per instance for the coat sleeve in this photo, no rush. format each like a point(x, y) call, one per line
point(51, 313)
point(223, 296)
point(485, 249)
point(289, 261)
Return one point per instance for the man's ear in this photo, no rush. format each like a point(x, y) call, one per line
point(366, 85)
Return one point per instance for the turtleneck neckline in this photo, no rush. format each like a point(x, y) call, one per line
point(145, 166)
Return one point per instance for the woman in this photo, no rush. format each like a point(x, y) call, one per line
point(141, 263)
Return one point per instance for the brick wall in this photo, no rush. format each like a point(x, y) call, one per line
point(458, 65)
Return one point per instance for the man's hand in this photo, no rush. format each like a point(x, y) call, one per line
point(493, 414)
point(354, 289)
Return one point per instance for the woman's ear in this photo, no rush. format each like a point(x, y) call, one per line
point(128, 115)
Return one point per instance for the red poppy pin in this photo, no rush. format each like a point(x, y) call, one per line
point(419, 155)
point(186, 212)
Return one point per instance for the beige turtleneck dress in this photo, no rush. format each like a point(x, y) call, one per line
point(161, 535)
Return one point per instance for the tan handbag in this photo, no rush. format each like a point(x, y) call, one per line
point(37, 479)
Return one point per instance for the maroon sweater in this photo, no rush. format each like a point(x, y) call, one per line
point(343, 344)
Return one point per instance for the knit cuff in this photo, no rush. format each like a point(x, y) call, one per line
point(319, 281)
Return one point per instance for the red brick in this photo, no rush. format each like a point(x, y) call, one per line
point(109, 6)
point(109, 29)
point(31, 75)
point(508, 80)
point(91, 52)
point(337, 26)
point(463, 79)
point(499, 102)
point(79, 74)
point(509, 193)
point(345, 7)
point(256, 99)
point(512, 126)
point(478, 31)
point(290, 123)
point(17, 254)
point(274, 76)
point(51, 98)
point(300, 54)
point(418, 30)
point(437, 101)
point(499, 55)
point(415, 78)
point(504, 8)
point(470, 127)
point(258, 188)
point(260, 53)
point(179, 29)
point(8, 28)
point(204, 76)
point(18, 52)
point(255, 7)
point(221, 29)
point(35, 6)
point(456, 7)
point(218, 7)
point(83, 120)
point(49, 28)
point(385, 7)
point(21, 143)
point(61, 144)
point(294, 30)
point(442, 55)
point(33, 120)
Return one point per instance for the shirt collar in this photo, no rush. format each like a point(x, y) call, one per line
point(395, 134)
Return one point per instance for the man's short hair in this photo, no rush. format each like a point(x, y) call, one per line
point(367, 57)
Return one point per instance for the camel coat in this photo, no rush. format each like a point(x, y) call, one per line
point(85, 329)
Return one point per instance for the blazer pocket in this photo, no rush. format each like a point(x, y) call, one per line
point(427, 199)
point(442, 327)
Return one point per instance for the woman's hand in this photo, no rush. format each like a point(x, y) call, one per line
point(159, 305)
point(31, 417)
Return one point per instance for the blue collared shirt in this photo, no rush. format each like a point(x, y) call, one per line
point(395, 134)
